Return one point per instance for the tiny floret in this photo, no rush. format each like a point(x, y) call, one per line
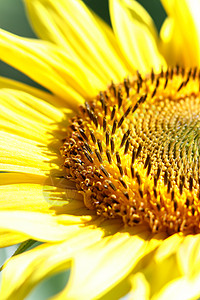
point(133, 151)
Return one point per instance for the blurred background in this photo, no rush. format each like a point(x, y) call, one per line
point(14, 19)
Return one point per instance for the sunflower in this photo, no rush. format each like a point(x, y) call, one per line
point(104, 169)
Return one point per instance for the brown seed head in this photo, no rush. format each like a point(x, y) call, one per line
point(138, 159)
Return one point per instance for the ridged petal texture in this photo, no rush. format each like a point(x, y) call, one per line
point(136, 35)
point(73, 27)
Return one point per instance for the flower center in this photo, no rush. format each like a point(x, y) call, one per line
point(134, 151)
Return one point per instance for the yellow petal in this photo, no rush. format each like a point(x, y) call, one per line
point(175, 269)
point(29, 112)
point(130, 285)
point(171, 39)
point(140, 287)
point(32, 136)
point(186, 31)
point(34, 208)
point(15, 194)
point(71, 25)
point(27, 200)
point(21, 110)
point(101, 267)
point(188, 256)
point(22, 53)
point(182, 253)
point(11, 127)
point(181, 288)
point(7, 83)
point(162, 273)
point(135, 36)
point(22, 272)
point(31, 106)
point(11, 238)
point(24, 155)
point(168, 247)
point(29, 192)
point(39, 226)
point(28, 116)
point(113, 41)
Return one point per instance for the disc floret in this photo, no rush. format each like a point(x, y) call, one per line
point(134, 151)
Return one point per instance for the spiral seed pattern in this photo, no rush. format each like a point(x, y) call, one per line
point(134, 151)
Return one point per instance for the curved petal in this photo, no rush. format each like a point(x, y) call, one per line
point(135, 36)
point(22, 272)
point(158, 270)
point(113, 41)
point(188, 256)
point(7, 83)
point(99, 268)
point(41, 226)
point(140, 287)
point(173, 268)
point(160, 274)
point(23, 192)
point(186, 32)
point(29, 192)
point(32, 130)
point(168, 247)
point(42, 62)
point(71, 25)
point(8, 238)
point(24, 155)
point(28, 116)
point(170, 38)
point(36, 207)
point(31, 106)
point(186, 290)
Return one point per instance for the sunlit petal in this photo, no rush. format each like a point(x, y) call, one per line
point(140, 287)
point(138, 44)
point(19, 53)
point(21, 273)
point(185, 34)
point(98, 270)
point(72, 26)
